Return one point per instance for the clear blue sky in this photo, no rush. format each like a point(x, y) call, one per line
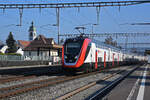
point(110, 20)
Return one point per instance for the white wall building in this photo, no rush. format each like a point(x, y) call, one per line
point(21, 44)
point(3, 48)
point(42, 46)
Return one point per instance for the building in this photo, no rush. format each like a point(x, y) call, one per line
point(3, 47)
point(21, 44)
point(32, 32)
point(42, 46)
point(38, 45)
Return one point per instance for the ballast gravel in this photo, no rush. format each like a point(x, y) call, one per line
point(52, 92)
point(25, 81)
point(86, 93)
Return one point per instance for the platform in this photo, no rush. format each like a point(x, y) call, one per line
point(134, 87)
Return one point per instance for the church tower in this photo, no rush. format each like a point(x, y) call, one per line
point(32, 32)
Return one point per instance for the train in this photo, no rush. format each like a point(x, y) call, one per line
point(83, 54)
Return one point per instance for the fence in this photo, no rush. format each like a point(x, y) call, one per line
point(52, 59)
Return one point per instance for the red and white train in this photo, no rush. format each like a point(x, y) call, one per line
point(84, 54)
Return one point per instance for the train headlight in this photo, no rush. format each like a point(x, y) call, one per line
point(65, 57)
point(76, 57)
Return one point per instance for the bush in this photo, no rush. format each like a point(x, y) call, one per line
point(2, 53)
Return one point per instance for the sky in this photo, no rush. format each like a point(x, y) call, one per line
point(111, 20)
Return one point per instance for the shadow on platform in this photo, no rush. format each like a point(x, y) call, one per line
point(38, 71)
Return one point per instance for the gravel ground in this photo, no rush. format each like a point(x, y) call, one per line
point(25, 81)
point(86, 93)
point(52, 92)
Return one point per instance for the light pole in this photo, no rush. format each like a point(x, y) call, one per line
point(126, 42)
point(93, 28)
point(80, 28)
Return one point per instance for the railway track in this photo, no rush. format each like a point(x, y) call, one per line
point(7, 77)
point(15, 78)
point(30, 86)
point(102, 92)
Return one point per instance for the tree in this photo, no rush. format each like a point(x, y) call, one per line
point(11, 43)
point(109, 40)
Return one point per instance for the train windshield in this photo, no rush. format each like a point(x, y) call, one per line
point(72, 48)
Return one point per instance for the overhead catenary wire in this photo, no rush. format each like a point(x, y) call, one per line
point(68, 5)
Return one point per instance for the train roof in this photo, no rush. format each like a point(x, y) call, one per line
point(102, 45)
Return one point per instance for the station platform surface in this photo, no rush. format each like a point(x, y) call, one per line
point(135, 87)
point(31, 66)
point(30, 70)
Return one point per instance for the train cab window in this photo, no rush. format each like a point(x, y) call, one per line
point(72, 48)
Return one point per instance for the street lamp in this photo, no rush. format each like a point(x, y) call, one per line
point(93, 27)
point(80, 28)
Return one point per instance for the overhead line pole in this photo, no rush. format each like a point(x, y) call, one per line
point(20, 13)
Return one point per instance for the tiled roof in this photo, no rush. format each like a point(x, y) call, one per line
point(42, 43)
point(23, 43)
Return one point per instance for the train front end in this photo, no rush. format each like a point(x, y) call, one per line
point(74, 53)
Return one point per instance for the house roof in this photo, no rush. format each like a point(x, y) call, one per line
point(23, 43)
point(42, 43)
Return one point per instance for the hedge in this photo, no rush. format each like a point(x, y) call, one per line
point(10, 54)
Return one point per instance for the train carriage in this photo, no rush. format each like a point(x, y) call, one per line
point(85, 54)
